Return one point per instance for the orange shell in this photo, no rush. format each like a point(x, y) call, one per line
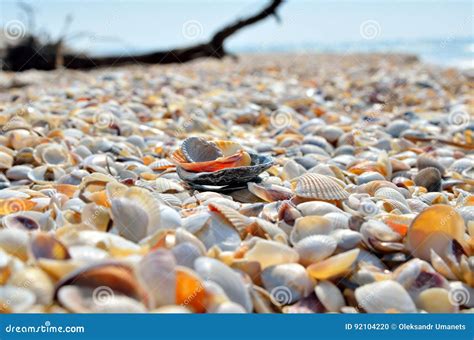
point(240, 158)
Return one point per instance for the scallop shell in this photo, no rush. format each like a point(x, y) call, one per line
point(315, 186)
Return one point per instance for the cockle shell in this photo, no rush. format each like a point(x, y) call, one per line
point(315, 186)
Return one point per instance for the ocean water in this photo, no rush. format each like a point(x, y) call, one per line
point(455, 52)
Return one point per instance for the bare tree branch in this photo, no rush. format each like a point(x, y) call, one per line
point(19, 58)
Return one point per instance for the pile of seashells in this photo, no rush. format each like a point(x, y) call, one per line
point(297, 184)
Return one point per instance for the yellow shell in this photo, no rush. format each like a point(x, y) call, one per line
point(333, 266)
point(434, 228)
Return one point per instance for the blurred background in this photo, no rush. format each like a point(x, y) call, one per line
point(440, 32)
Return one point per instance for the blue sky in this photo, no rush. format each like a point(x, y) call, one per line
point(147, 24)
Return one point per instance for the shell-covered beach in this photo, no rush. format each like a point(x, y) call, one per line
point(272, 184)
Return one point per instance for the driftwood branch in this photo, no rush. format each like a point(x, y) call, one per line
point(31, 54)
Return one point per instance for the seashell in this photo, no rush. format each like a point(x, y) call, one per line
point(370, 176)
point(373, 186)
point(415, 205)
point(383, 297)
point(6, 160)
point(318, 208)
point(26, 220)
point(44, 245)
point(315, 248)
point(396, 127)
point(185, 253)
point(461, 165)
point(436, 300)
point(287, 283)
point(15, 242)
point(218, 232)
point(18, 172)
point(338, 220)
point(269, 253)
point(230, 175)
point(270, 193)
point(334, 266)
point(346, 239)
point(239, 159)
point(35, 280)
point(229, 307)
point(434, 228)
point(114, 276)
point(225, 277)
point(196, 149)
point(291, 170)
point(45, 174)
point(315, 186)
point(310, 225)
point(330, 296)
point(16, 299)
point(430, 178)
point(425, 161)
point(191, 290)
point(51, 154)
point(87, 300)
point(135, 212)
point(390, 194)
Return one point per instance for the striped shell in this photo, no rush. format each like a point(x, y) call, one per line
point(320, 187)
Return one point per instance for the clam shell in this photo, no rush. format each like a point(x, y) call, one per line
point(430, 178)
point(315, 248)
point(16, 299)
point(310, 225)
point(320, 187)
point(334, 266)
point(35, 280)
point(287, 283)
point(330, 296)
point(383, 297)
point(116, 276)
point(435, 228)
point(229, 176)
point(436, 300)
point(156, 272)
point(269, 253)
point(44, 245)
point(231, 282)
point(317, 208)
